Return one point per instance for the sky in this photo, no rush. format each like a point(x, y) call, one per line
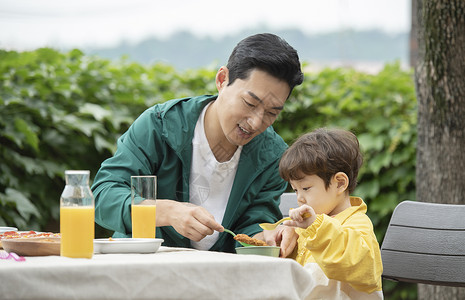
point(30, 24)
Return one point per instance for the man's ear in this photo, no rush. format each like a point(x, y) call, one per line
point(221, 78)
point(342, 181)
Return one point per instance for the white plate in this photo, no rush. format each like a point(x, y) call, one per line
point(5, 229)
point(126, 245)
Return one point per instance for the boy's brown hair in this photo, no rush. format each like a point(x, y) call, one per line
point(323, 152)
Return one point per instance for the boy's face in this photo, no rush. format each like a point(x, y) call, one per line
point(311, 190)
point(247, 107)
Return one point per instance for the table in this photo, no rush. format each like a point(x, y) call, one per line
point(171, 273)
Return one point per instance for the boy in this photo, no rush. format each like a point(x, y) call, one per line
point(336, 243)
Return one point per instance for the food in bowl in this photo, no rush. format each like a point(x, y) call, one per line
point(34, 246)
point(249, 240)
point(26, 235)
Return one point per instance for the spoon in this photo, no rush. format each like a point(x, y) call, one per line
point(270, 226)
point(233, 234)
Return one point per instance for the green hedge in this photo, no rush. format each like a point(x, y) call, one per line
point(64, 111)
point(381, 110)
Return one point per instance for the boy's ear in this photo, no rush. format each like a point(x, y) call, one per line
point(342, 181)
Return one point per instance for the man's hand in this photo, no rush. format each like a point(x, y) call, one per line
point(283, 236)
point(189, 220)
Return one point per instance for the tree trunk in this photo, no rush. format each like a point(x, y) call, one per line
point(440, 86)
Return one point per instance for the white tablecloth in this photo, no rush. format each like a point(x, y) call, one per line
point(171, 273)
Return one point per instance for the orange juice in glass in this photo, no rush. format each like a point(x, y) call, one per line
point(143, 206)
point(143, 220)
point(77, 216)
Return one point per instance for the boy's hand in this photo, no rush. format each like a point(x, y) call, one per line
point(282, 236)
point(297, 216)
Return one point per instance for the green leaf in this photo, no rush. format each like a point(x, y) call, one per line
point(379, 161)
point(378, 124)
point(23, 204)
point(31, 137)
point(370, 142)
point(98, 112)
point(368, 189)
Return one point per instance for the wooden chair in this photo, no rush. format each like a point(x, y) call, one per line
point(425, 243)
point(288, 200)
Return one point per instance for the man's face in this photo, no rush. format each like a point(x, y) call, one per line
point(247, 107)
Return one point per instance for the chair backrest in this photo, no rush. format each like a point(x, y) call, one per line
point(425, 243)
point(288, 200)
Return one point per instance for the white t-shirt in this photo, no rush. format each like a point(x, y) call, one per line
point(210, 181)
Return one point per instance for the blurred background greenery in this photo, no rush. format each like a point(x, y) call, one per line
point(65, 110)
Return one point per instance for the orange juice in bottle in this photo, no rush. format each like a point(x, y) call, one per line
point(77, 216)
point(77, 231)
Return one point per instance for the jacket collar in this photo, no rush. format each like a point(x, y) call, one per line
point(178, 132)
point(179, 117)
point(357, 205)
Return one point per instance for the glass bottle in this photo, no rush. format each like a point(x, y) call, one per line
point(77, 215)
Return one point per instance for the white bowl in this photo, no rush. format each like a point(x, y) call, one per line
point(126, 245)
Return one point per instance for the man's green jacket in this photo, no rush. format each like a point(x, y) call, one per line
point(159, 142)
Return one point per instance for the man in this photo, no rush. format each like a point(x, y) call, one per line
point(215, 157)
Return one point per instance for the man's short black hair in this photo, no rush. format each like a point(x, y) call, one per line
point(266, 52)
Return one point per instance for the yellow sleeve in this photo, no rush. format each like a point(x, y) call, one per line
point(346, 252)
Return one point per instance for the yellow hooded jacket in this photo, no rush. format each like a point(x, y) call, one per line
point(344, 247)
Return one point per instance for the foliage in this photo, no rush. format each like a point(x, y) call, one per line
point(381, 110)
point(64, 111)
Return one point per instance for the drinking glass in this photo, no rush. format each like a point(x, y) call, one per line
point(143, 206)
point(77, 216)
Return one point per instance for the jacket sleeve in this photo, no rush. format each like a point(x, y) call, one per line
point(135, 154)
point(263, 203)
point(346, 252)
